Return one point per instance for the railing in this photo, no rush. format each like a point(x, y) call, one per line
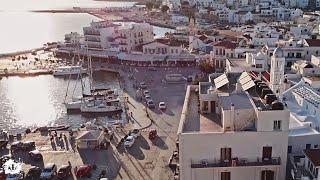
point(122, 37)
point(93, 40)
point(237, 162)
point(122, 43)
point(92, 33)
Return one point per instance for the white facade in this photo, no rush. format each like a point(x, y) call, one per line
point(108, 36)
point(209, 147)
point(73, 38)
point(277, 72)
point(162, 48)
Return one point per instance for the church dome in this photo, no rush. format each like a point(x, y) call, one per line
point(278, 52)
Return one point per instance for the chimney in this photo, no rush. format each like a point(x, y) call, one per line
point(238, 88)
point(232, 113)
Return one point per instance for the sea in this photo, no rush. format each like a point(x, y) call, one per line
point(27, 102)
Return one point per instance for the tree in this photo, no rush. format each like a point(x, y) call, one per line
point(164, 8)
point(157, 5)
point(149, 5)
point(206, 68)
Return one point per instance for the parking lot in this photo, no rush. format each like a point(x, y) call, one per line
point(146, 159)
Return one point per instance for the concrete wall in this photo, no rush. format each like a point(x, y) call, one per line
point(265, 119)
point(244, 144)
point(299, 143)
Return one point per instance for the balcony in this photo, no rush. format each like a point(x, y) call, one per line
point(122, 43)
point(122, 37)
point(237, 162)
point(92, 33)
point(92, 40)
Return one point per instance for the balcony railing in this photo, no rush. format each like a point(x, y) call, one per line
point(236, 162)
point(93, 40)
point(122, 43)
point(122, 37)
point(91, 33)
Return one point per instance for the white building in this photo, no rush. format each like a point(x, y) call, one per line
point(174, 5)
point(73, 38)
point(233, 135)
point(242, 17)
point(312, 47)
point(100, 35)
point(132, 36)
point(108, 36)
point(163, 46)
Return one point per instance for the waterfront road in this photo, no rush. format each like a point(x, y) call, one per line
point(148, 159)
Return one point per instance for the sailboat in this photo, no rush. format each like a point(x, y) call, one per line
point(99, 104)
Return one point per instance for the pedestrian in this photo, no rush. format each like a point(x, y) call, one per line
point(131, 114)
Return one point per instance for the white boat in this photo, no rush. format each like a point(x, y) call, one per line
point(92, 108)
point(69, 70)
point(74, 105)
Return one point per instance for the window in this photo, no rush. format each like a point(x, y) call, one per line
point(290, 44)
point(307, 52)
point(225, 176)
point(308, 146)
point(276, 125)
point(317, 52)
point(315, 146)
point(171, 51)
point(289, 149)
point(270, 54)
point(258, 65)
point(307, 106)
point(177, 51)
point(314, 112)
point(225, 154)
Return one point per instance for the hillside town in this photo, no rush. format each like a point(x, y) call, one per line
point(230, 92)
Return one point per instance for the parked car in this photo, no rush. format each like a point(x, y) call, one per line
point(17, 176)
point(16, 145)
point(49, 171)
point(84, 171)
point(129, 141)
point(135, 133)
point(147, 97)
point(162, 106)
point(146, 92)
point(152, 69)
point(28, 145)
point(150, 104)
point(143, 85)
point(153, 134)
point(2, 174)
point(64, 171)
point(35, 155)
point(33, 173)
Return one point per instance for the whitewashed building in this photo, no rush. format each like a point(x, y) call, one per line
point(163, 47)
point(233, 135)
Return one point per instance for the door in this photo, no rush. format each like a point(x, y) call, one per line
point(267, 175)
point(225, 154)
point(213, 106)
point(266, 153)
point(225, 176)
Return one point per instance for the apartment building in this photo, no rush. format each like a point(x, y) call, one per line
point(106, 35)
point(131, 36)
point(163, 47)
point(232, 134)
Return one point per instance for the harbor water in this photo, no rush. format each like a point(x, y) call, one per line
point(38, 101)
point(25, 30)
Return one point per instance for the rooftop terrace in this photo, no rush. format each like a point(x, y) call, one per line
point(196, 122)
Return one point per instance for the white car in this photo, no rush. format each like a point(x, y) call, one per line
point(49, 171)
point(143, 85)
point(162, 106)
point(147, 97)
point(129, 141)
point(135, 133)
point(146, 92)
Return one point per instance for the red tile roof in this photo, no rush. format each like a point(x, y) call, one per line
point(227, 44)
point(313, 42)
point(203, 37)
point(313, 155)
point(167, 41)
point(209, 41)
